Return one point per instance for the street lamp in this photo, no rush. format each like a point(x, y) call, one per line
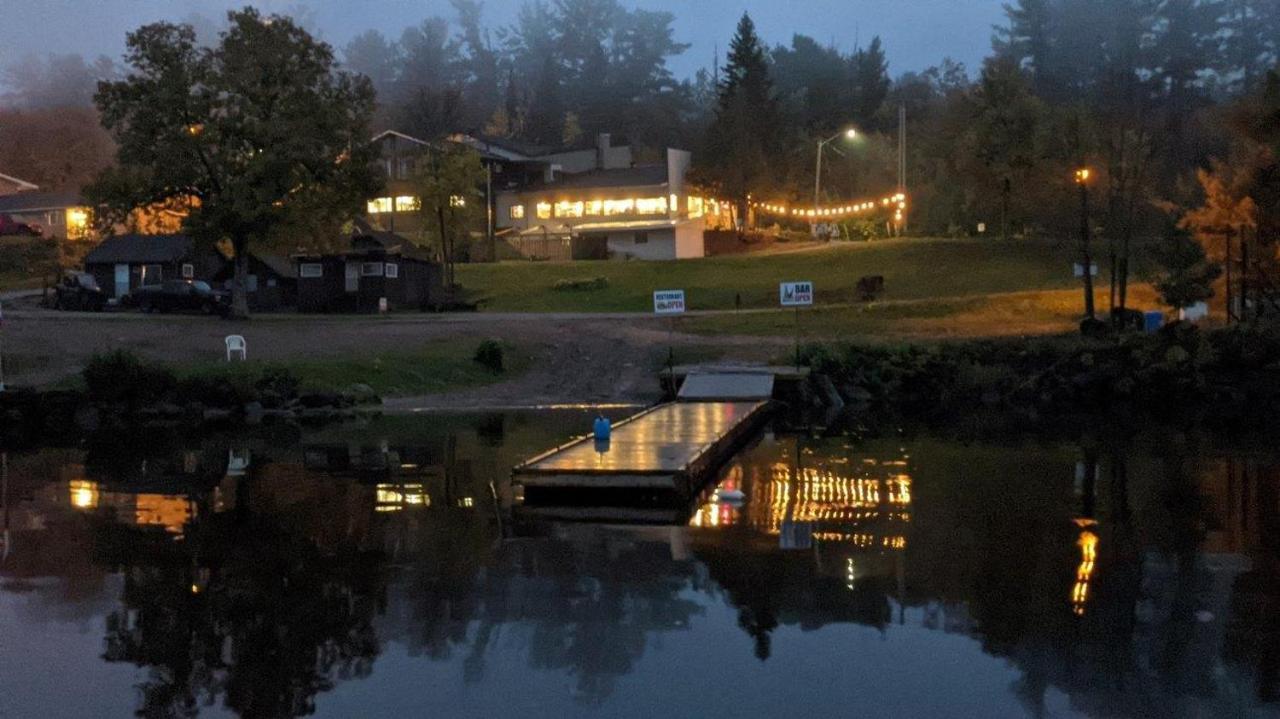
point(1082, 179)
point(849, 134)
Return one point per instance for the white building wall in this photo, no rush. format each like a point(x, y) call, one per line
point(690, 239)
point(661, 245)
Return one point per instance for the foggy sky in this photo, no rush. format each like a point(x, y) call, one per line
point(917, 33)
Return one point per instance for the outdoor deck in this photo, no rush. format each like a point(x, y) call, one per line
point(668, 448)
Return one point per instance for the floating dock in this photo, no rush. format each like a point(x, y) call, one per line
point(667, 450)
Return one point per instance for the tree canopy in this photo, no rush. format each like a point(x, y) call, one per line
point(260, 132)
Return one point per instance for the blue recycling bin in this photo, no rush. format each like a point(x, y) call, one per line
point(1152, 321)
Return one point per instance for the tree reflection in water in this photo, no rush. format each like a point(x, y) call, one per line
point(289, 577)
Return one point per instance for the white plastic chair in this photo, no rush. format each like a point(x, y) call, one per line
point(236, 343)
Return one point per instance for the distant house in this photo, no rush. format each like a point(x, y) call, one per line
point(380, 269)
point(10, 185)
point(589, 201)
point(271, 285)
point(59, 214)
point(124, 263)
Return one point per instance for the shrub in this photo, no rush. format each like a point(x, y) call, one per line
point(278, 381)
point(121, 376)
point(218, 390)
point(594, 283)
point(489, 355)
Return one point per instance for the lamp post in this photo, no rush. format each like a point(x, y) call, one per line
point(817, 172)
point(1082, 179)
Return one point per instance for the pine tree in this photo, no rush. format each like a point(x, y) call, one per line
point(870, 82)
point(743, 144)
point(1027, 41)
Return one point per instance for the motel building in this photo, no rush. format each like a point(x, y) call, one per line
point(592, 201)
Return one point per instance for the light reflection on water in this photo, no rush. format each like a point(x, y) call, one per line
point(383, 570)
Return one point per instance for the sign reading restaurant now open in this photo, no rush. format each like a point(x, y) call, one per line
point(668, 302)
point(795, 294)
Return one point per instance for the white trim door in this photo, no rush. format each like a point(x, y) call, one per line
point(122, 280)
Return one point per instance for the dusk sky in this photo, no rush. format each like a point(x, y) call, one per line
point(917, 33)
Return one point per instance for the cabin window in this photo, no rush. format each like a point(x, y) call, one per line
point(544, 210)
point(406, 203)
point(516, 212)
point(379, 205)
point(392, 270)
point(311, 270)
point(371, 269)
point(188, 271)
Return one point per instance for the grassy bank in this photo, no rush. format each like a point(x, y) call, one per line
point(435, 368)
point(914, 269)
point(432, 369)
point(1043, 312)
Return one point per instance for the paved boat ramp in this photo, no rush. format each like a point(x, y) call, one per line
point(667, 450)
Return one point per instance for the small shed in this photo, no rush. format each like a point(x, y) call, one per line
point(272, 283)
point(378, 268)
point(124, 263)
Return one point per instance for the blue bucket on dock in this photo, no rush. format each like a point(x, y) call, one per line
point(602, 428)
point(1152, 321)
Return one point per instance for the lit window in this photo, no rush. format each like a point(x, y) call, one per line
point(651, 206)
point(311, 270)
point(188, 271)
point(695, 207)
point(457, 201)
point(406, 203)
point(673, 202)
point(543, 210)
point(568, 209)
point(392, 270)
point(380, 204)
point(77, 223)
point(371, 269)
point(619, 207)
point(595, 208)
point(516, 212)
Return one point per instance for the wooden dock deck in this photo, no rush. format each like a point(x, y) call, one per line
point(668, 448)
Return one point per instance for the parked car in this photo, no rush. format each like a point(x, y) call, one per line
point(179, 295)
point(10, 226)
point(78, 291)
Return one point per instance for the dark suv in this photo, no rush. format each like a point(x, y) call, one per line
point(78, 291)
point(179, 295)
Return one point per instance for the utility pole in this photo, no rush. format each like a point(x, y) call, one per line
point(902, 159)
point(1082, 179)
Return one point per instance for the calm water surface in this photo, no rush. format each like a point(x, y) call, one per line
point(386, 570)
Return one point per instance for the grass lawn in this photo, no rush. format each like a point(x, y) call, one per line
point(913, 269)
point(435, 368)
point(1018, 313)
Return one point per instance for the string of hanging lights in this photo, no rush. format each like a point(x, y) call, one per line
point(897, 201)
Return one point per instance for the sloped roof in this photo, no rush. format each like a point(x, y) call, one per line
point(638, 176)
point(19, 182)
point(135, 248)
point(31, 201)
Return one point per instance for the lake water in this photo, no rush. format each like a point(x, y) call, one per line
point(386, 570)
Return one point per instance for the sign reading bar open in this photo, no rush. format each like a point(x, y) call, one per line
point(668, 302)
point(796, 294)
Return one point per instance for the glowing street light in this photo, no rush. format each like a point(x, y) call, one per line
point(849, 134)
point(1082, 179)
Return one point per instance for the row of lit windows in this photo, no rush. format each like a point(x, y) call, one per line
point(405, 203)
point(570, 209)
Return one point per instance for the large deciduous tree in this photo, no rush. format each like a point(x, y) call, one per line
point(261, 131)
point(447, 182)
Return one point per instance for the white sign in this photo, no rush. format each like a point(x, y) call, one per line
point(668, 302)
point(795, 294)
point(1078, 269)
